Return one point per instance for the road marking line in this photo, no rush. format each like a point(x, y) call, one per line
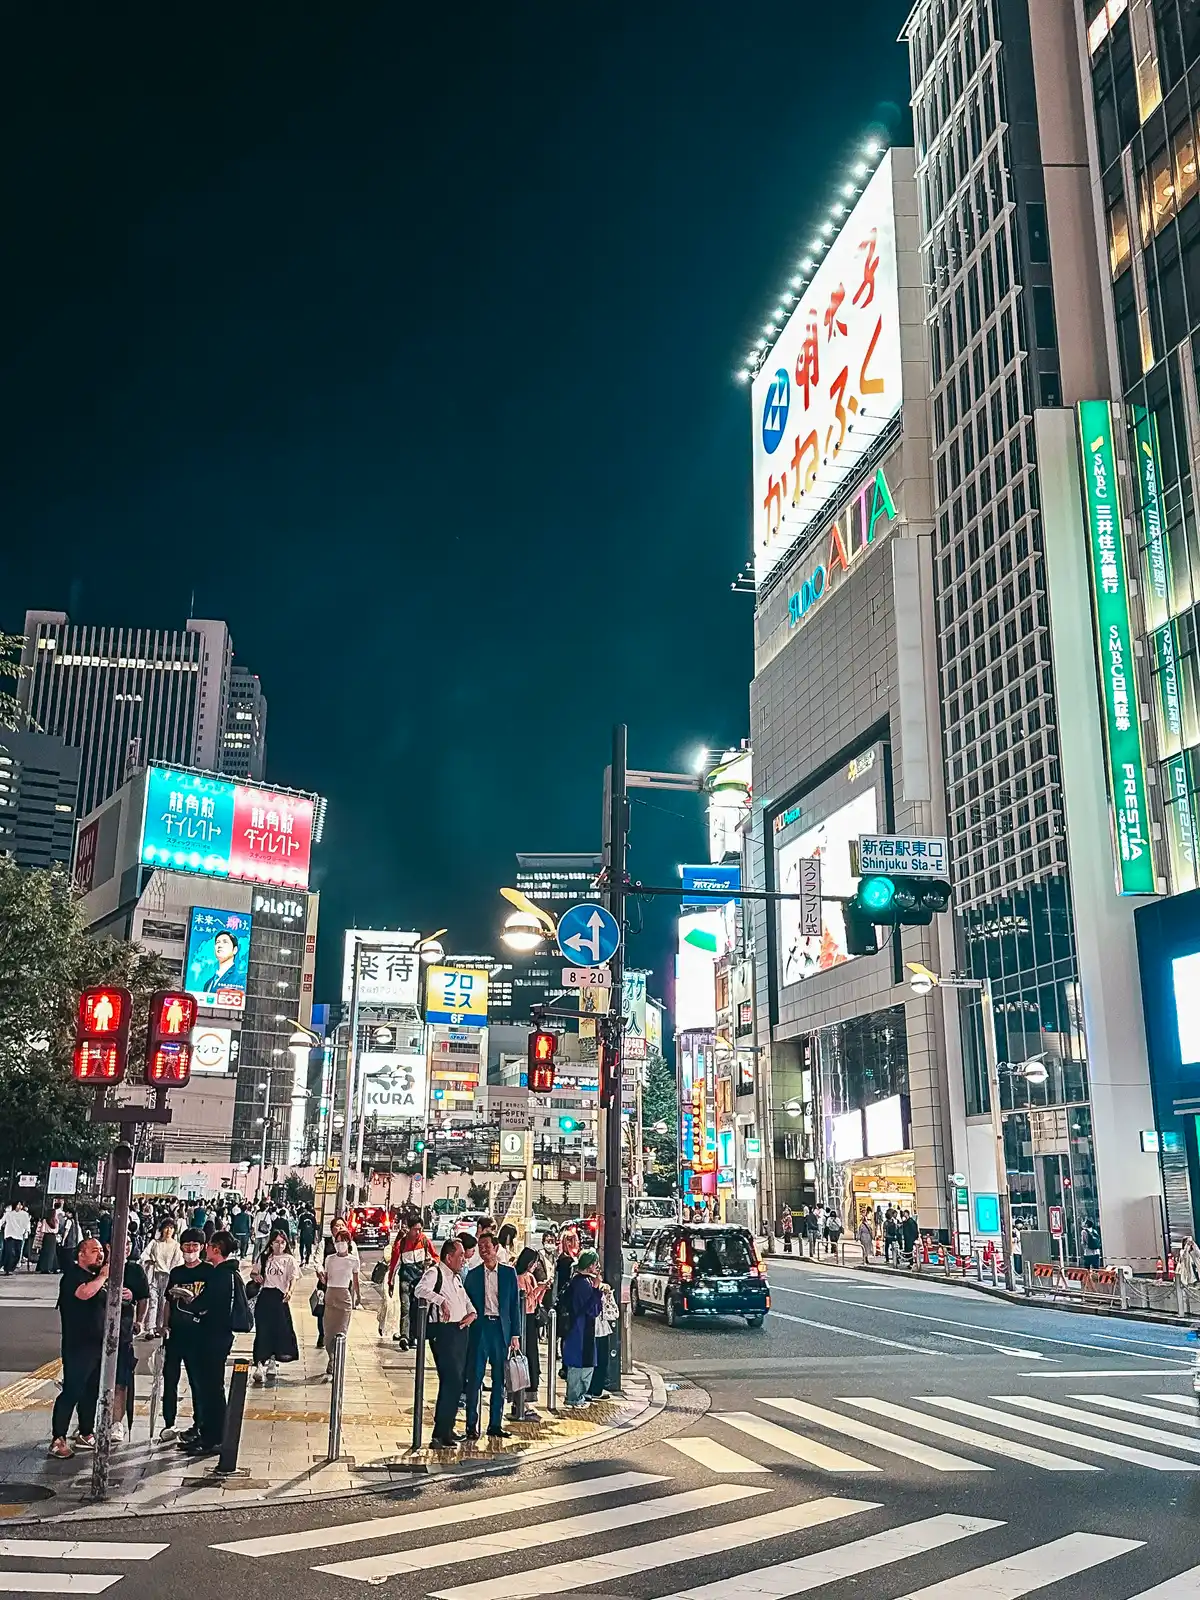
point(793, 1443)
point(850, 1333)
point(1130, 1430)
point(515, 1540)
point(1136, 1409)
point(77, 1550)
point(894, 1443)
point(1183, 1586)
point(691, 1546)
point(1031, 1569)
point(951, 1322)
point(1188, 1400)
point(1017, 1449)
point(1109, 1372)
point(843, 1561)
point(990, 1344)
point(715, 1456)
point(1045, 1430)
point(439, 1517)
point(57, 1582)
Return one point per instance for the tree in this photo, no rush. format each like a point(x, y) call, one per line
point(11, 714)
point(46, 958)
point(299, 1193)
point(479, 1196)
point(660, 1104)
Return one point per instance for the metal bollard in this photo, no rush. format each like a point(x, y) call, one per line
point(626, 1336)
point(337, 1387)
point(519, 1394)
point(227, 1460)
point(552, 1361)
point(422, 1319)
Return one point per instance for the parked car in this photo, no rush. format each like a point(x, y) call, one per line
point(369, 1226)
point(701, 1269)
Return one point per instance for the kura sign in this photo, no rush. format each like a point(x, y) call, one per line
point(865, 520)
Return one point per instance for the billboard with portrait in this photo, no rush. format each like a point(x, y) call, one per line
point(831, 382)
point(828, 840)
point(196, 823)
point(218, 958)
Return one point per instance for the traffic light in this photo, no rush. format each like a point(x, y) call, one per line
point(897, 900)
point(102, 1034)
point(610, 1061)
point(419, 1146)
point(542, 1045)
point(169, 1037)
point(568, 1124)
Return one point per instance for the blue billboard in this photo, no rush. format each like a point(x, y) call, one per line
point(710, 885)
point(188, 824)
point(218, 958)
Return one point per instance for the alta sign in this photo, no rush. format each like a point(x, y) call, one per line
point(852, 533)
point(1114, 643)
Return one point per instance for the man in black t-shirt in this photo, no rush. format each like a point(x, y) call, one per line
point(81, 1301)
point(135, 1297)
point(184, 1288)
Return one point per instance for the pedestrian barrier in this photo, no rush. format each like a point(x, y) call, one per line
point(336, 1393)
point(419, 1331)
point(552, 1361)
point(234, 1414)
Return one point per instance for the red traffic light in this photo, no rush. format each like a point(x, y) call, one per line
point(542, 1045)
point(169, 1037)
point(102, 1034)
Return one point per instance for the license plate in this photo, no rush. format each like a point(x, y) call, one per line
point(727, 1288)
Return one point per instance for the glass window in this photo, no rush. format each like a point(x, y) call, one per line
point(1039, 238)
point(1118, 236)
point(1183, 154)
point(1162, 190)
point(1043, 317)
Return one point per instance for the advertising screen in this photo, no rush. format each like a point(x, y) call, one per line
point(847, 1140)
point(457, 995)
point(218, 958)
point(214, 1049)
point(212, 826)
point(832, 381)
point(830, 840)
point(885, 1127)
point(1185, 974)
point(393, 1085)
point(703, 937)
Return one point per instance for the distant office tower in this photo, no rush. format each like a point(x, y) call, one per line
point(244, 744)
point(126, 696)
point(556, 882)
point(39, 777)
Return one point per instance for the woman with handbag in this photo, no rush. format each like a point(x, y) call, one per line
point(343, 1292)
point(533, 1281)
point(275, 1273)
point(584, 1303)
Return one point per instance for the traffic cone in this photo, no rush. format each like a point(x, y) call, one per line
point(1170, 1269)
point(1158, 1270)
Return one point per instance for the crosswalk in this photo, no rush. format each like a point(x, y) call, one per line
point(625, 1532)
point(66, 1562)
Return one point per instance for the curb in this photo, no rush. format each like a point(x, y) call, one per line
point(416, 1480)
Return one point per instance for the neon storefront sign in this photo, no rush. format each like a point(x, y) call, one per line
point(853, 532)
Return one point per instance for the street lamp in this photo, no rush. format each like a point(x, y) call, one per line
point(528, 926)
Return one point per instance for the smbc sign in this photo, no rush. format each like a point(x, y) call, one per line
point(1114, 643)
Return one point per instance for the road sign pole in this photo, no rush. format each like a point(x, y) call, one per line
point(122, 1170)
point(618, 825)
point(343, 1204)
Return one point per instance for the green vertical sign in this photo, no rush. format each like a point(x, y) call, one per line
point(1114, 641)
point(1158, 555)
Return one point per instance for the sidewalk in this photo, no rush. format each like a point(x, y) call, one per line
point(284, 1435)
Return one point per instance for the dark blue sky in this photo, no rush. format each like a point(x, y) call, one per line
point(394, 331)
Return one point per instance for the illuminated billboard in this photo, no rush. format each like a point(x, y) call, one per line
point(832, 381)
point(214, 1049)
point(221, 829)
point(457, 995)
point(704, 936)
point(218, 958)
point(829, 841)
point(393, 1085)
point(389, 970)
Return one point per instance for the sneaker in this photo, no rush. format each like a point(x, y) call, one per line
point(256, 1375)
point(61, 1449)
point(120, 1432)
point(168, 1436)
point(272, 1370)
point(84, 1441)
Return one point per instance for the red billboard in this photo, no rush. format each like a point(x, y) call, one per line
point(271, 839)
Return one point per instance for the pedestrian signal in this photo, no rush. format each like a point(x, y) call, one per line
point(542, 1045)
point(169, 1038)
point(102, 1034)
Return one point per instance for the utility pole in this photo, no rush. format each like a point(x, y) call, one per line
point(618, 838)
point(351, 1066)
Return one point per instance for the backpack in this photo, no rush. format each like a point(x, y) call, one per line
point(434, 1318)
point(241, 1319)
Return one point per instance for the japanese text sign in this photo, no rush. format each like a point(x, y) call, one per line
point(218, 958)
point(832, 381)
point(1114, 642)
point(915, 858)
point(196, 823)
point(457, 995)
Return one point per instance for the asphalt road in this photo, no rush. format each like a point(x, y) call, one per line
point(875, 1439)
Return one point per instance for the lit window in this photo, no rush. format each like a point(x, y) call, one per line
point(1118, 237)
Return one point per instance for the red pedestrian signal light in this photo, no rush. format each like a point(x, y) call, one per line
point(102, 1034)
point(542, 1045)
point(169, 1038)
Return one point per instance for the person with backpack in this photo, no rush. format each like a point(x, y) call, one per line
point(450, 1317)
point(220, 1311)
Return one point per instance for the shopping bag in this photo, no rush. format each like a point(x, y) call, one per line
point(516, 1373)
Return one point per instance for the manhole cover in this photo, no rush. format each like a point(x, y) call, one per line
point(23, 1494)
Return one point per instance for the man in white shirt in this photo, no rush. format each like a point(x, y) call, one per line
point(15, 1226)
point(450, 1317)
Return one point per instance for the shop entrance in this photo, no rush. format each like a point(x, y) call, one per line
point(870, 1187)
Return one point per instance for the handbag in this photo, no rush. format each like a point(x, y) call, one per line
point(241, 1318)
point(316, 1301)
point(379, 1272)
point(516, 1373)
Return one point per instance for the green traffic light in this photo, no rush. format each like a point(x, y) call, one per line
point(875, 895)
point(568, 1124)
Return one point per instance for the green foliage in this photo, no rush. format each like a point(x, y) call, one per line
point(479, 1196)
point(46, 958)
point(11, 715)
point(661, 1104)
point(297, 1192)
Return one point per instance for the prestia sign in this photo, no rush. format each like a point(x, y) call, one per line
point(1114, 642)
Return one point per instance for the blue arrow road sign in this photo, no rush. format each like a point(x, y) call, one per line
point(588, 935)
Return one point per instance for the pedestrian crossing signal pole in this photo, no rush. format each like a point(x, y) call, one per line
point(617, 832)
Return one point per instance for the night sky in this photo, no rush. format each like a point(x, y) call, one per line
point(403, 336)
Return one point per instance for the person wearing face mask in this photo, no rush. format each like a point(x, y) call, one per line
point(339, 1279)
point(185, 1284)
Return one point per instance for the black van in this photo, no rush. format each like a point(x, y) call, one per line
point(706, 1269)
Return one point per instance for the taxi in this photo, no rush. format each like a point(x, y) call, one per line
point(706, 1269)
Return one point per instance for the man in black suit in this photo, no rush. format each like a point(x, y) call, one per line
point(495, 1334)
point(213, 1309)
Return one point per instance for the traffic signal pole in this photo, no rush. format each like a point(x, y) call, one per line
point(618, 839)
point(122, 1170)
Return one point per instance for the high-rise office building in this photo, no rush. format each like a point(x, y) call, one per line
point(1015, 333)
point(556, 881)
point(39, 780)
point(126, 696)
point(244, 741)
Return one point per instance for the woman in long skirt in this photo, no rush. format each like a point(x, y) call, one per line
point(47, 1244)
point(274, 1336)
point(339, 1278)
